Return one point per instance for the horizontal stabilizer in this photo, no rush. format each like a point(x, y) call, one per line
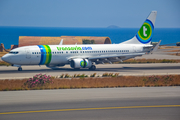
point(156, 47)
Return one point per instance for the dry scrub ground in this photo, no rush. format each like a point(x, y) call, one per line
point(3, 53)
point(96, 82)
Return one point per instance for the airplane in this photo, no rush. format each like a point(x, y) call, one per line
point(85, 55)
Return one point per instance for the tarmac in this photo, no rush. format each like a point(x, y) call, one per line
point(137, 103)
point(123, 70)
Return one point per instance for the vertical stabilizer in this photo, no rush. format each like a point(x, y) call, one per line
point(145, 33)
point(61, 43)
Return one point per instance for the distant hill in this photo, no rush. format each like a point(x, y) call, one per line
point(113, 26)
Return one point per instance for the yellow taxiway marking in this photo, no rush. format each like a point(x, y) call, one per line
point(102, 108)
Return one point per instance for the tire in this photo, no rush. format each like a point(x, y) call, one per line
point(93, 67)
point(20, 69)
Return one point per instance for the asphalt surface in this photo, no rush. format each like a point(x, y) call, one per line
point(137, 103)
point(122, 69)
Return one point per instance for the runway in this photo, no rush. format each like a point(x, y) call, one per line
point(123, 69)
point(137, 103)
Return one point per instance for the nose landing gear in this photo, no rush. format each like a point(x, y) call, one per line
point(19, 67)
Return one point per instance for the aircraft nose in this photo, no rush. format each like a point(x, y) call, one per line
point(5, 58)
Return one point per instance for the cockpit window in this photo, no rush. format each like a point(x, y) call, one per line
point(15, 52)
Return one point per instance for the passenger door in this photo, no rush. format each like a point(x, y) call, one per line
point(28, 53)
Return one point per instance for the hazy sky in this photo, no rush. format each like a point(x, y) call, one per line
point(88, 13)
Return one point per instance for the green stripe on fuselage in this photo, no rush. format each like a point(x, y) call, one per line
point(49, 55)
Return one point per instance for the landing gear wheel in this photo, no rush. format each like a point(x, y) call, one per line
point(20, 69)
point(93, 67)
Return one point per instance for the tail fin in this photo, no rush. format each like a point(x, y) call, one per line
point(145, 33)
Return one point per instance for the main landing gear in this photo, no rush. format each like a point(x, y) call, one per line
point(20, 69)
point(93, 67)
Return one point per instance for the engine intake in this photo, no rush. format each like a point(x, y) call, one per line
point(80, 63)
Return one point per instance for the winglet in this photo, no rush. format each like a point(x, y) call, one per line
point(61, 43)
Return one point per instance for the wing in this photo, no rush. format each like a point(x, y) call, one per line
point(108, 58)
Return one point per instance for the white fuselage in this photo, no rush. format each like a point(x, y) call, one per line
point(60, 54)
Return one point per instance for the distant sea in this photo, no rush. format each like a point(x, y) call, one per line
point(10, 35)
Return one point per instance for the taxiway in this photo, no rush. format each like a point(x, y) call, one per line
point(122, 69)
point(137, 103)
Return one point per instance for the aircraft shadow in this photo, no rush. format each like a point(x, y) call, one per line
point(121, 69)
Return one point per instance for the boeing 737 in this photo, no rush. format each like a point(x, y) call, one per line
point(85, 55)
